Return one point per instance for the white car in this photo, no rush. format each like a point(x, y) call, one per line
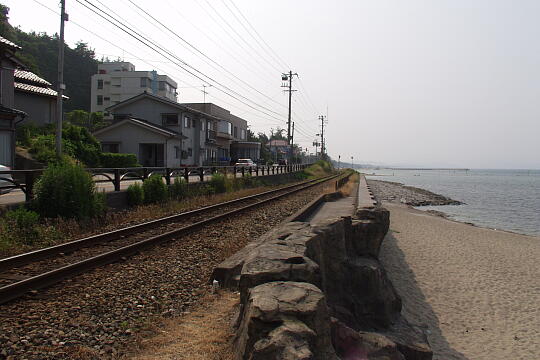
point(3, 182)
point(244, 163)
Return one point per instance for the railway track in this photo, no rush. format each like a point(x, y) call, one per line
point(41, 268)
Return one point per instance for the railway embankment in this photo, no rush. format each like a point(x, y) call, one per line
point(313, 288)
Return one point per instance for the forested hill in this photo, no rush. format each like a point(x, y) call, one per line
point(40, 54)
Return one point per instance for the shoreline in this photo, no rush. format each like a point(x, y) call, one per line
point(473, 290)
point(389, 191)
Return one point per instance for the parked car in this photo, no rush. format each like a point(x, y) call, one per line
point(244, 163)
point(4, 182)
point(282, 162)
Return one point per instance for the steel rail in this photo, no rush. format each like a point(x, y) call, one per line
point(32, 256)
point(17, 289)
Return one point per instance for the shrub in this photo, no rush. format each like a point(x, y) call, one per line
point(178, 190)
point(67, 190)
point(135, 194)
point(218, 183)
point(154, 189)
point(114, 160)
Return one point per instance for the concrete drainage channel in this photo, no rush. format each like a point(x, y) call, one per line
point(40, 278)
point(313, 288)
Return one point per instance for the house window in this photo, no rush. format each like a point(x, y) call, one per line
point(177, 152)
point(169, 119)
point(203, 125)
point(242, 134)
point(190, 152)
point(235, 132)
point(144, 82)
point(100, 99)
point(162, 85)
point(187, 122)
point(110, 147)
point(100, 84)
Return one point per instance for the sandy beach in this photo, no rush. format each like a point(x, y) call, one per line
point(475, 291)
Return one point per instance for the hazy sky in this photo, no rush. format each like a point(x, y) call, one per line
point(415, 83)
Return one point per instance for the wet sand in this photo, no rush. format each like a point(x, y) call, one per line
point(475, 291)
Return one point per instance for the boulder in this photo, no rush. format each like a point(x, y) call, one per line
point(374, 301)
point(369, 227)
point(284, 320)
point(275, 262)
point(227, 273)
point(351, 344)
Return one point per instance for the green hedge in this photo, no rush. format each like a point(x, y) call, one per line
point(114, 160)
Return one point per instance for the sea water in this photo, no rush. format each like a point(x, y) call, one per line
point(497, 199)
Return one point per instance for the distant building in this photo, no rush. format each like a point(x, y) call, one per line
point(9, 116)
point(278, 148)
point(118, 81)
point(231, 137)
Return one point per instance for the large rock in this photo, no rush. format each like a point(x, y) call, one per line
point(274, 262)
point(369, 228)
point(357, 288)
point(351, 344)
point(228, 272)
point(284, 320)
point(375, 302)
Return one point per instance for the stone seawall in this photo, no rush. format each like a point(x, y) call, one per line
point(318, 291)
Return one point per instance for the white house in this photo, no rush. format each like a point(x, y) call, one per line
point(161, 132)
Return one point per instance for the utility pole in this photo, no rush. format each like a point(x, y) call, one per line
point(292, 141)
point(205, 92)
point(316, 144)
point(289, 77)
point(323, 147)
point(61, 85)
point(339, 162)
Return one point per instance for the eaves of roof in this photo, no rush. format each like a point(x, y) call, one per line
point(28, 76)
point(9, 44)
point(144, 124)
point(38, 90)
point(164, 101)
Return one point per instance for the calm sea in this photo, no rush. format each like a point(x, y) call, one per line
point(497, 199)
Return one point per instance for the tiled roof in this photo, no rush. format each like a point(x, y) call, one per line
point(8, 43)
point(37, 90)
point(30, 76)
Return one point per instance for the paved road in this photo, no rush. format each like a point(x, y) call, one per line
point(17, 196)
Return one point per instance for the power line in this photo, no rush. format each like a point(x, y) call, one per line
point(145, 42)
point(146, 61)
point(260, 37)
point(240, 36)
point(200, 52)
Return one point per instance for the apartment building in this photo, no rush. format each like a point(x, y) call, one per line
point(118, 81)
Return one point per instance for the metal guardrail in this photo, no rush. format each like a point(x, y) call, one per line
point(25, 179)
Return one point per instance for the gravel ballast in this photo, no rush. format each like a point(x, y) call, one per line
point(103, 313)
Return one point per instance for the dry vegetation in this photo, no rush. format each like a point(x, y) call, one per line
point(206, 332)
point(350, 186)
